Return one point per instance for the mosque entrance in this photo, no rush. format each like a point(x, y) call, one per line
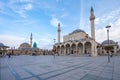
point(58, 50)
point(73, 49)
point(62, 49)
point(68, 49)
point(87, 50)
point(80, 48)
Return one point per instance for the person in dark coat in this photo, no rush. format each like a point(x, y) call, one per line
point(9, 55)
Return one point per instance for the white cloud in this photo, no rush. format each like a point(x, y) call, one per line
point(113, 19)
point(21, 13)
point(114, 32)
point(27, 7)
point(10, 40)
point(63, 9)
point(64, 15)
point(100, 35)
point(20, 6)
point(108, 17)
point(21, 1)
point(21, 10)
point(54, 22)
point(44, 5)
point(4, 10)
point(16, 6)
point(26, 0)
point(45, 41)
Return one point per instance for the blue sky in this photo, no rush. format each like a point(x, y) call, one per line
point(20, 18)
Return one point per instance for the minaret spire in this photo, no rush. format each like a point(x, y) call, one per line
point(59, 30)
point(92, 19)
point(31, 40)
point(92, 9)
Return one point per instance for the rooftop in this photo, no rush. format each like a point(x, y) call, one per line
point(77, 31)
point(110, 42)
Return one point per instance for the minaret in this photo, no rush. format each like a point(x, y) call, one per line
point(59, 32)
point(94, 44)
point(31, 40)
point(92, 18)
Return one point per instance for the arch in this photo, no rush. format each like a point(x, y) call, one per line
point(88, 48)
point(62, 49)
point(73, 48)
point(54, 49)
point(80, 48)
point(67, 49)
point(58, 49)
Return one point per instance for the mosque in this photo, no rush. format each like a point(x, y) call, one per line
point(24, 49)
point(29, 49)
point(79, 42)
point(76, 43)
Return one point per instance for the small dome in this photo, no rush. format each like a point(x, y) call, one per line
point(24, 45)
point(106, 42)
point(35, 45)
point(1, 44)
point(77, 31)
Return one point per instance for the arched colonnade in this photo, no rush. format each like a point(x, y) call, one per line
point(73, 48)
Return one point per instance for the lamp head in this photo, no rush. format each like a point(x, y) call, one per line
point(108, 26)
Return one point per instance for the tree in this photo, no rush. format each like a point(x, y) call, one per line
point(109, 48)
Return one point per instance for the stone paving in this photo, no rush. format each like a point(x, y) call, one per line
point(26, 67)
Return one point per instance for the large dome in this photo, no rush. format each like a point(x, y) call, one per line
point(24, 45)
point(77, 31)
point(106, 42)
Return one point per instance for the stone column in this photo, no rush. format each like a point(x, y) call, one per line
point(64, 50)
point(94, 49)
point(60, 51)
point(83, 52)
point(115, 49)
point(76, 50)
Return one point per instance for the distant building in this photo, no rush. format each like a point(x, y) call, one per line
point(3, 49)
point(28, 49)
point(79, 42)
point(102, 51)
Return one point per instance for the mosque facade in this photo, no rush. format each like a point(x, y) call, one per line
point(79, 42)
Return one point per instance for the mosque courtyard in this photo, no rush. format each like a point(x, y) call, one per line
point(27, 67)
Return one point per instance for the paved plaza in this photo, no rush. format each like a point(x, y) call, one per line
point(26, 67)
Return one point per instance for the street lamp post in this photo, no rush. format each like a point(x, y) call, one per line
point(54, 43)
point(54, 40)
point(108, 41)
point(54, 51)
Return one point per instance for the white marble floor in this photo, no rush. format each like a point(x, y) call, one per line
point(26, 67)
